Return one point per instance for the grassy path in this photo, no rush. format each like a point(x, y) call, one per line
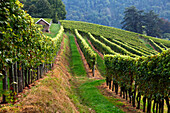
point(87, 90)
point(146, 44)
point(76, 63)
point(92, 97)
point(54, 28)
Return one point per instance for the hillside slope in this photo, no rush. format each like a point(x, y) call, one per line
point(110, 12)
point(128, 37)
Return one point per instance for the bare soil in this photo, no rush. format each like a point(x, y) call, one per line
point(101, 55)
point(50, 94)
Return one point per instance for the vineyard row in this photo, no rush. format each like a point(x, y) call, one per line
point(144, 78)
point(87, 51)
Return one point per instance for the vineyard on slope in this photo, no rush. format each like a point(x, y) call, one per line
point(145, 77)
point(26, 54)
point(110, 32)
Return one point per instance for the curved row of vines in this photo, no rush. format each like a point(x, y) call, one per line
point(143, 78)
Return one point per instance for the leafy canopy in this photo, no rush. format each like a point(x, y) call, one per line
point(54, 9)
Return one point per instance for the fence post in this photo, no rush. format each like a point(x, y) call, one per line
point(26, 77)
point(29, 76)
point(5, 86)
point(16, 77)
point(19, 70)
point(11, 78)
point(37, 72)
point(93, 70)
point(23, 77)
point(41, 68)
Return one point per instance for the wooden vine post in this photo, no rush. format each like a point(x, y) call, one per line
point(93, 70)
point(20, 80)
point(5, 86)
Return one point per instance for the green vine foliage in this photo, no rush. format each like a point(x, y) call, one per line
point(120, 68)
point(110, 32)
point(87, 51)
point(100, 46)
point(151, 74)
point(156, 46)
point(116, 47)
point(21, 41)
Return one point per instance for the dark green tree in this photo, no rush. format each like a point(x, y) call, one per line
point(132, 20)
point(165, 26)
point(139, 22)
point(32, 9)
point(54, 9)
point(59, 12)
point(44, 9)
point(151, 22)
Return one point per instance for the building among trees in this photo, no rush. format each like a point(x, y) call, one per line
point(46, 24)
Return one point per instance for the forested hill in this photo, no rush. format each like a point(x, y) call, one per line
point(110, 12)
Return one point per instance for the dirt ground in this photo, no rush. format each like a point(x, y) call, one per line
point(50, 94)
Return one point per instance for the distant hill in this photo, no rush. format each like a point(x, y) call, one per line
point(110, 12)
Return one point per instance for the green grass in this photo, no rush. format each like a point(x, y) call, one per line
point(76, 63)
point(85, 89)
point(92, 97)
point(146, 44)
point(54, 28)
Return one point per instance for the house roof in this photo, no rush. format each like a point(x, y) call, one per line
point(41, 19)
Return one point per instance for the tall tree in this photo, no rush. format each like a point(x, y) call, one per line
point(54, 9)
point(44, 9)
point(59, 12)
point(151, 22)
point(132, 20)
point(165, 26)
point(138, 21)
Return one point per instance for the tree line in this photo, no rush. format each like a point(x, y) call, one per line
point(147, 23)
point(110, 12)
point(54, 9)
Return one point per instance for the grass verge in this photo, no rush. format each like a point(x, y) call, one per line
point(76, 63)
point(92, 97)
point(85, 89)
point(54, 28)
point(146, 44)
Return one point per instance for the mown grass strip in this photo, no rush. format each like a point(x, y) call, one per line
point(146, 44)
point(92, 97)
point(54, 28)
point(76, 62)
